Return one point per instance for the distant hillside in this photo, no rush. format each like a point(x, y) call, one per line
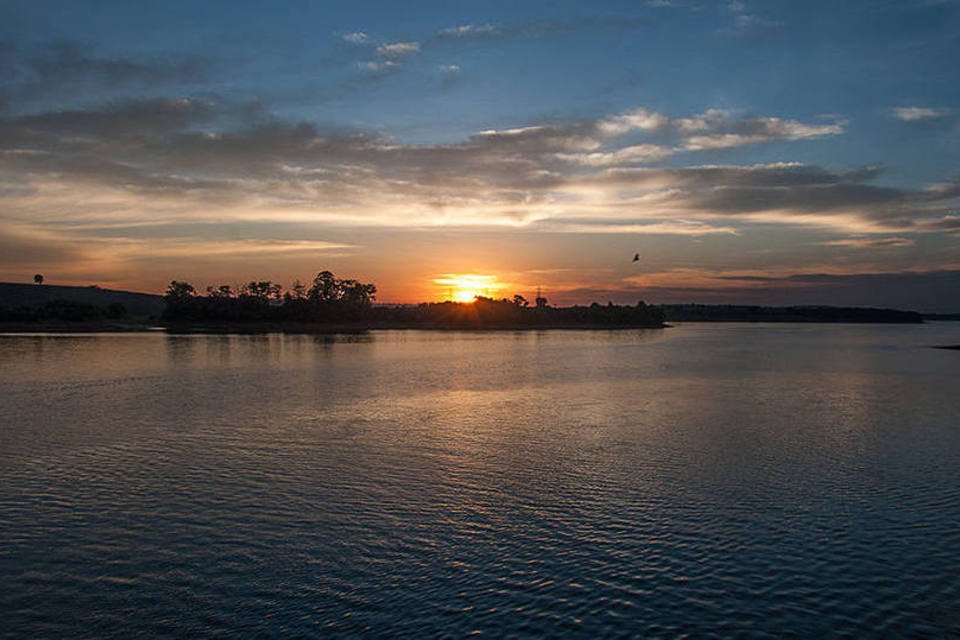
point(746, 313)
point(14, 295)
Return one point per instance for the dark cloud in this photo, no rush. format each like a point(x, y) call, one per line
point(924, 291)
point(139, 118)
point(816, 198)
point(67, 67)
point(777, 175)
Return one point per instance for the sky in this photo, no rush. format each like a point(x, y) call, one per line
point(750, 152)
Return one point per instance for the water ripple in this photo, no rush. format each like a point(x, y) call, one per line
point(583, 484)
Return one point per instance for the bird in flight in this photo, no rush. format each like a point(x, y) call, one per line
point(636, 257)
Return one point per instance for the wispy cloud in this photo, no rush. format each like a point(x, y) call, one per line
point(637, 119)
point(639, 153)
point(470, 30)
point(719, 129)
point(188, 160)
point(538, 29)
point(397, 49)
point(914, 114)
point(356, 37)
point(870, 243)
point(378, 66)
point(238, 248)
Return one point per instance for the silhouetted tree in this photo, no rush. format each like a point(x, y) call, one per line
point(181, 300)
point(298, 290)
point(38, 278)
point(324, 287)
point(329, 299)
point(222, 292)
point(180, 291)
point(276, 293)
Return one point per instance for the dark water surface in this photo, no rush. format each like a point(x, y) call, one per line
point(704, 480)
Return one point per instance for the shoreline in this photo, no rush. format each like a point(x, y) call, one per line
point(357, 328)
point(296, 328)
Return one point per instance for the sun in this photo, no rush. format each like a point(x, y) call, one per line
point(465, 295)
point(465, 288)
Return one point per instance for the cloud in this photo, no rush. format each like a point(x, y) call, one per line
point(390, 55)
point(720, 129)
point(356, 37)
point(470, 30)
point(67, 67)
point(627, 155)
point(397, 49)
point(120, 119)
point(717, 128)
point(539, 29)
point(914, 114)
point(187, 160)
point(621, 227)
point(451, 75)
point(378, 66)
point(713, 129)
point(637, 119)
point(766, 130)
point(870, 243)
point(187, 248)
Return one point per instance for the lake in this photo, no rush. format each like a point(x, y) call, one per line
point(704, 480)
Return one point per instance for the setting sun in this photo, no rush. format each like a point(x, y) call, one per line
point(465, 295)
point(467, 287)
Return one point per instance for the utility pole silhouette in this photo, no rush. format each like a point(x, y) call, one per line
point(541, 302)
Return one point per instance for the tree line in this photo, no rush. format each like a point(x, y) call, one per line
point(327, 299)
point(333, 301)
point(489, 313)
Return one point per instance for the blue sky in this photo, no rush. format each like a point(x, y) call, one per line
point(741, 146)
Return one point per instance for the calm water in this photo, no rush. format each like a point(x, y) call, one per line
point(704, 480)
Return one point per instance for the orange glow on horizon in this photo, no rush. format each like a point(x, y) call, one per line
point(467, 287)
